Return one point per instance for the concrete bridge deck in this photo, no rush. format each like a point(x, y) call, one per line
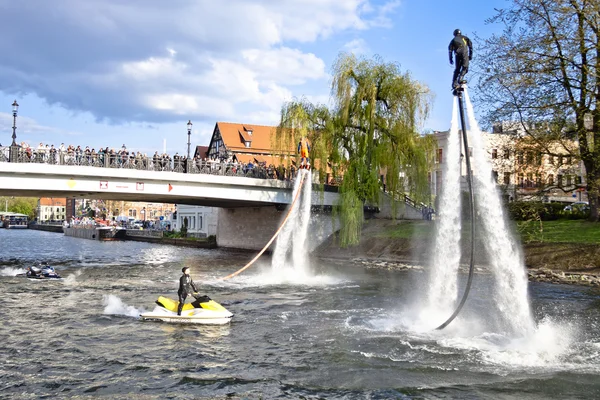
point(45, 180)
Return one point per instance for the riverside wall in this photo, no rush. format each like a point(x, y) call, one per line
point(47, 228)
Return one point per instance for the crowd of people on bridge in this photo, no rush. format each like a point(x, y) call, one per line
point(123, 158)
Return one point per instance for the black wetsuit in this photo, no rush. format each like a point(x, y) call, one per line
point(186, 284)
point(462, 47)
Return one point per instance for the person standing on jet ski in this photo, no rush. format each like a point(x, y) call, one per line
point(186, 284)
point(459, 46)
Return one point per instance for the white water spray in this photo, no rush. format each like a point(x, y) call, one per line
point(442, 291)
point(299, 251)
point(503, 251)
point(292, 239)
point(113, 305)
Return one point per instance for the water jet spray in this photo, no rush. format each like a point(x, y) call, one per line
point(458, 92)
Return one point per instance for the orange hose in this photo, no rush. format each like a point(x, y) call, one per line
point(274, 236)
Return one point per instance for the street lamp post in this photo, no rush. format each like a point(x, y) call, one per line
point(15, 108)
point(189, 127)
point(14, 148)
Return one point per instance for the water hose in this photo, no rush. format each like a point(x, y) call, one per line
point(459, 94)
point(245, 267)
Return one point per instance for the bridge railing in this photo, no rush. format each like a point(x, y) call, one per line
point(156, 163)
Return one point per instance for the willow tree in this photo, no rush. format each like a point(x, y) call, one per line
point(543, 71)
point(370, 131)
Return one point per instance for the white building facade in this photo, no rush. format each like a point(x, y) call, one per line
point(521, 171)
point(51, 209)
point(201, 221)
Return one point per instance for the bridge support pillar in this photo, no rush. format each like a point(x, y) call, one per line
point(252, 228)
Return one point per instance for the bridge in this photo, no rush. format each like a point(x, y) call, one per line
point(249, 197)
point(156, 180)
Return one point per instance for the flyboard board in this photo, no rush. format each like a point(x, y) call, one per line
point(202, 311)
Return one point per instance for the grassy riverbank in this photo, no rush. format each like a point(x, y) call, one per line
point(561, 231)
point(563, 245)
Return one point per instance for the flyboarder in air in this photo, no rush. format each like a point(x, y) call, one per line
point(459, 46)
point(303, 150)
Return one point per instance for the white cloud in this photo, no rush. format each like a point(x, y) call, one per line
point(156, 61)
point(153, 68)
point(284, 65)
point(356, 46)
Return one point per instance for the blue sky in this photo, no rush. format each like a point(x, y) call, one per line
point(107, 72)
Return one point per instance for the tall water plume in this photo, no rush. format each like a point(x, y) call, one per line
point(299, 251)
point(446, 257)
point(503, 251)
point(292, 239)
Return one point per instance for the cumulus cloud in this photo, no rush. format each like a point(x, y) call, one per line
point(154, 61)
point(356, 46)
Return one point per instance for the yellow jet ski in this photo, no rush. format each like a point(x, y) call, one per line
point(201, 311)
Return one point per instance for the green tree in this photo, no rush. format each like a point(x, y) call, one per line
point(371, 130)
point(23, 205)
point(543, 72)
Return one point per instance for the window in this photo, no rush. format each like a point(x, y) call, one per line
point(247, 143)
point(530, 180)
point(506, 153)
point(520, 158)
point(200, 223)
point(495, 176)
point(439, 156)
point(559, 180)
point(494, 154)
point(569, 160)
point(538, 180)
point(529, 157)
point(560, 160)
point(569, 180)
point(507, 178)
point(521, 180)
point(550, 180)
point(132, 213)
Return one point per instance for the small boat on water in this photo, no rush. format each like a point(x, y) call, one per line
point(41, 272)
point(202, 311)
point(11, 220)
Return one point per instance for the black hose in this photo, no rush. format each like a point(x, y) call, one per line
point(459, 94)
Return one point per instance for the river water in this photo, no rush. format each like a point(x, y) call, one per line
point(342, 332)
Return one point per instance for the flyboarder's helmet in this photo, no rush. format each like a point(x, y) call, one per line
point(457, 32)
